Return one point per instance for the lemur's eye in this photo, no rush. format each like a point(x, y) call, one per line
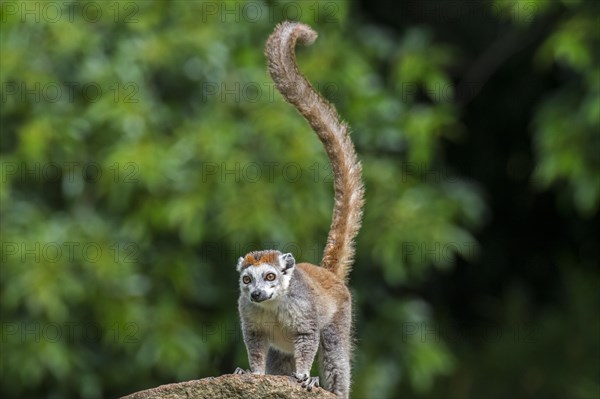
point(246, 280)
point(270, 276)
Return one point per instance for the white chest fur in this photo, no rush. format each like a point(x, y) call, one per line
point(279, 327)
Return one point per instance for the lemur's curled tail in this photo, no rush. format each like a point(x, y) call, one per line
point(323, 118)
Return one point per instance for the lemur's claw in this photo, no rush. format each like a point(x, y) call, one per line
point(310, 382)
point(241, 371)
point(307, 382)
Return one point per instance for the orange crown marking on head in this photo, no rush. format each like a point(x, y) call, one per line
point(255, 259)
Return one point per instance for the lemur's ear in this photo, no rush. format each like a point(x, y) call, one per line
point(239, 265)
point(287, 262)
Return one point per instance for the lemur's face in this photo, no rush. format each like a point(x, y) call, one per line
point(265, 275)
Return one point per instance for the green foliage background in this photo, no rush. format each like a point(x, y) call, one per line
point(144, 149)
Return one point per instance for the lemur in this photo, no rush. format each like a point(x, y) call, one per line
point(288, 310)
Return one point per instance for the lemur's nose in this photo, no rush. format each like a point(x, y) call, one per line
point(255, 295)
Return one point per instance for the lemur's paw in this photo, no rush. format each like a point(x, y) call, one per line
point(307, 382)
point(241, 371)
point(311, 382)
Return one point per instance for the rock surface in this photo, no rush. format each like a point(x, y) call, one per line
point(232, 386)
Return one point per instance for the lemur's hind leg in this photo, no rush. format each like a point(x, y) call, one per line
point(334, 357)
point(279, 363)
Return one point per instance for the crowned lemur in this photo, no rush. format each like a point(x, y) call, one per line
point(288, 310)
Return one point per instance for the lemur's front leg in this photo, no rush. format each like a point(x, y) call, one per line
point(257, 345)
point(305, 349)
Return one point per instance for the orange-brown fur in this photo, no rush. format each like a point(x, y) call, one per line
point(327, 282)
point(259, 257)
